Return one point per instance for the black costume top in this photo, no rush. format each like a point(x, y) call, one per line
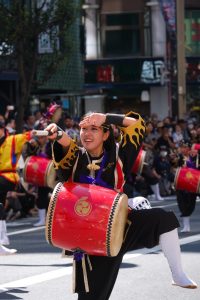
point(115, 163)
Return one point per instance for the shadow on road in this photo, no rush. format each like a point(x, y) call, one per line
point(8, 294)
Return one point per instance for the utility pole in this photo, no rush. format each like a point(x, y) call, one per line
point(181, 64)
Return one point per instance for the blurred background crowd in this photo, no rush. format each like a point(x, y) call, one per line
point(168, 145)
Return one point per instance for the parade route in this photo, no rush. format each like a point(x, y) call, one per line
point(38, 266)
point(25, 282)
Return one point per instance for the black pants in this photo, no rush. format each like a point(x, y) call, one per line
point(5, 186)
point(145, 230)
point(186, 202)
point(43, 197)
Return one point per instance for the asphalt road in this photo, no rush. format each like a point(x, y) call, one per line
point(38, 272)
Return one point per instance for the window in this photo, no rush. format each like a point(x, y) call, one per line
point(121, 35)
point(192, 32)
point(122, 20)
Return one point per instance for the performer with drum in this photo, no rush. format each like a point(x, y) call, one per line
point(10, 150)
point(187, 182)
point(39, 171)
point(102, 162)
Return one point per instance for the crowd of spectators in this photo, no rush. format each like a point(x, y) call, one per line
point(163, 145)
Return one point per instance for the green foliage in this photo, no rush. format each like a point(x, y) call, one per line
point(22, 23)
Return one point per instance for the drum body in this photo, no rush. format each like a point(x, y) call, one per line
point(196, 147)
point(88, 218)
point(187, 179)
point(139, 162)
point(39, 171)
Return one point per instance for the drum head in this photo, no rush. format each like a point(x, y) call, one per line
point(117, 224)
point(176, 177)
point(51, 176)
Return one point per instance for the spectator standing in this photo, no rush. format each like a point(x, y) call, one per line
point(29, 122)
point(183, 124)
point(71, 129)
point(165, 142)
point(177, 135)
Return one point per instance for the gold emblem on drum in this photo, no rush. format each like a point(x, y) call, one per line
point(35, 166)
point(189, 175)
point(83, 207)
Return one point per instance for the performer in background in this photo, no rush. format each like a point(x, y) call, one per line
point(41, 147)
point(10, 151)
point(102, 162)
point(187, 200)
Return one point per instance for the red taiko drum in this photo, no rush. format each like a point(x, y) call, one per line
point(88, 218)
point(139, 162)
point(187, 179)
point(39, 171)
point(196, 147)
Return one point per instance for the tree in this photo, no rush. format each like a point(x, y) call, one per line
point(26, 23)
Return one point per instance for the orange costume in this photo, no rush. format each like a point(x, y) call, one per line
point(10, 151)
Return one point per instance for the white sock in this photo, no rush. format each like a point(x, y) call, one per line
point(186, 224)
point(155, 188)
point(42, 217)
point(6, 251)
point(4, 240)
point(169, 242)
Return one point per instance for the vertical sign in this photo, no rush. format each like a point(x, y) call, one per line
point(48, 41)
point(168, 8)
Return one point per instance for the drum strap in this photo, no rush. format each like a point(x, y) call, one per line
point(84, 268)
point(74, 276)
point(82, 256)
point(85, 274)
point(128, 226)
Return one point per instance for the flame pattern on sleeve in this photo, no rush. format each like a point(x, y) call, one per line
point(67, 161)
point(136, 130)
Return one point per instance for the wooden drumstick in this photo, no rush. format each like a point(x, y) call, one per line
point(45, 133)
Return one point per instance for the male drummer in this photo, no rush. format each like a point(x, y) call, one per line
point(10, 151)
point(103, 162)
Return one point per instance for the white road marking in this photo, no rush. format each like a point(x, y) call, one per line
point(183, 241)
point(25, 282)
point(18, 224)
point(28, 281)
point(25, 230)
point(168, 205)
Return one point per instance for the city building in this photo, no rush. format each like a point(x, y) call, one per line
point(131, 57)
point(129, 52)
